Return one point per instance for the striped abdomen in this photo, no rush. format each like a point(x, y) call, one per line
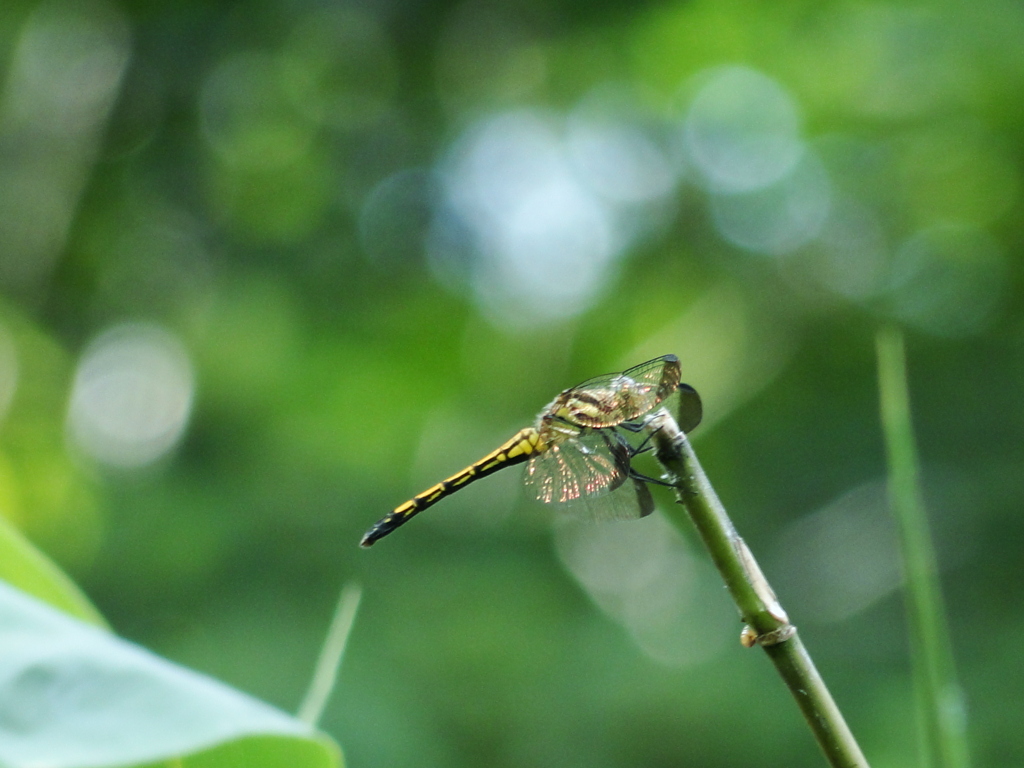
point(524, 444)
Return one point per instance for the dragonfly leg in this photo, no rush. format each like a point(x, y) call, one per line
point(633, 426)
point(636, 426)
point(644, 447)
point(644, 478)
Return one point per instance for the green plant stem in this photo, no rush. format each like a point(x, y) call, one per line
point(755, 599)
point(940, 705)
point(326, 673)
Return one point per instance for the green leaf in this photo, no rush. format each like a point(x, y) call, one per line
point(260, 752)
point(28, 569)
point(73, 695)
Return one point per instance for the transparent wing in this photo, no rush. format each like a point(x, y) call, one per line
point(613, 398)
point(685, 406)
point(650, 373)
point(629, 501)
point(588, 473)
point(690, 410)
point(592, 463)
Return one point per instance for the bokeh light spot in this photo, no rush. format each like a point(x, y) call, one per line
point(131, 397)
point(779, 218)
point(853, 257)
point(60, 86)
point(643, 576)
point(948, 280)
point(617, 155)
point(247, 117)
point(742, 130)
point(544, 243)
point(68, 66)
point(841, 559)
point(396, 216)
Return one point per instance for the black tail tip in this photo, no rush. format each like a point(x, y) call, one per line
point(379, 530)
point(367, 541)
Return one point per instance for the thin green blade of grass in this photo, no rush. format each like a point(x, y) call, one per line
point(325, 675)
point(939, 699)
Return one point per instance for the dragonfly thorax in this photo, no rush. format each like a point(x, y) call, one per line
point(554, 430)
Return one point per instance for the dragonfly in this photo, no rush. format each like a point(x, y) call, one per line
point(576, 452)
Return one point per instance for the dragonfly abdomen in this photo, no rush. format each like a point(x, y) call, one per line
point(524, 444)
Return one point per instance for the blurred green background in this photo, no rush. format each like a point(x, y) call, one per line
point(267, 269)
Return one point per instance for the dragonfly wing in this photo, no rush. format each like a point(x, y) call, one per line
point(685, 406)
point(629, 501)
point(613, 398)
point(588, 474)
point(644, 500)
point(690, 410)
point(592, 463)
